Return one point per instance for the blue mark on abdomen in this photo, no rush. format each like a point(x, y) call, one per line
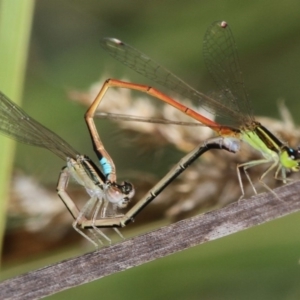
point(106, 167)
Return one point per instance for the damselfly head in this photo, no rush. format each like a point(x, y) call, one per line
point(119, 194)
point(127, 189)
point(292, 161)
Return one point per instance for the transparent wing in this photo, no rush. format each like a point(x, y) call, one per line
point(144, 65)
point(221, 59)
point(15, 123)
point(131, 118)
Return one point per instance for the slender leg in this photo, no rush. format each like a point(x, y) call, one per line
point(79, 215)
point(254, 163)
point(88, 210)
point(102, 207)
point(62, 184)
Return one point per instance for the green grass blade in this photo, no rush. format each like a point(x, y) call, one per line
point(15, 27)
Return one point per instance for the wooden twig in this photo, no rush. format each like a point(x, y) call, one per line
point(150, 246)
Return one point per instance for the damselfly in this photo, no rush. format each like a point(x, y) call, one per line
point(231, 103)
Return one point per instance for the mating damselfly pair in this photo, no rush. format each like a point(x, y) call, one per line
point(101, 184)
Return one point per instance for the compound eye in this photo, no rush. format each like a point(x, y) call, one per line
point(127, 188)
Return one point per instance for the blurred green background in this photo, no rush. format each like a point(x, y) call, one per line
point(261, 263)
